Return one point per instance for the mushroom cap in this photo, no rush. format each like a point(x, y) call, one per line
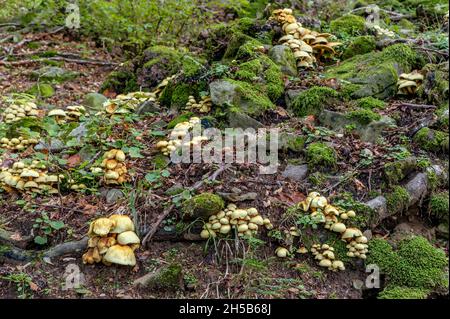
point(56, 112)
point(29, 173)
point(301, 54)
point(320, 40)
point(123, 223)
point(102, 226)
point(324, 47)
point(338, 227)
point(406, 83)
point(128, 237)
point(325, 263)
point(121, 255)
point(281, 252)
point(351, 233)
point(30, 184)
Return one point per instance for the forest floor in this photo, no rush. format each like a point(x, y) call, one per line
point(208, 272)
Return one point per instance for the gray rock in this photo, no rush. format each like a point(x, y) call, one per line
point(417, 188)
point(148, 107)
point(94, 101)
point(55, 146)
point(53, 74)
point(379, 206)
point(296, 172)
point(290, 95)
point(283, 56)
point(241, 120)
point(79, 132)
point(112, 195)
point(442, 230)
point(223, 93)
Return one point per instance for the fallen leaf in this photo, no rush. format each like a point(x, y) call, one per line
point(33, 286)
point(74, 160)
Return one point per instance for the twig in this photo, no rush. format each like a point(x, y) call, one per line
point(416, 106)
point(155, 225)
point(78, 61)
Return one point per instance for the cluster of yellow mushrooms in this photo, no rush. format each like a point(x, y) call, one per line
point(114, 167)
point(203, 106)
point(307, 45)
point(71, 114)
point(383, 32)
point(19, 109)
point(333, 219)
point(409, 82)
point(112, 241)
point(17, 143)
point(30, 178)
point(243, 221)
point(178, 134)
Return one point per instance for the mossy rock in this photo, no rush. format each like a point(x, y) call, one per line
point(363, 116)
point(121, 81)
point(292, 142)
point(320, 155)
point(53, 74)
point(376, 73)
point(396, 292)
point(349, 24)
point(202, 206)
point(443, 117)
point(360, 45)
point(312, 101)
point(415, 264)
point(176, 94)
point(436, 84)
point(397, 200)
point(439, 206)
point(432, 140)
point(167, 278)
point(42, 90)
point(396, 171)
point(94, 101)
point(282, 55)
point(370, 103)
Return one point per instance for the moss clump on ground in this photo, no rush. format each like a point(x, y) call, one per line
point(397, 199)
point(255, 101)
point(415, 264)
point(262, 69)
point(435, 87)
point(443, 117)
point(432, 140)
point(169, 277)
point(120, 82)
point(370, 103)
point(348, 25)
point(320, 154)
point(403, 293)
point(313, 100)
point(439, 206)
point(42, 90)
point(360, 45)
point(202, 206)
point(396, 171)
point(363, 116)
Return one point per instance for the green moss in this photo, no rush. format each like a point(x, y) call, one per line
point(192, 67)
point(180, 95)
point(168, 277)
point(120, 82)
point(292, 142)
point(317, 179)
point(160, 161)
point(403, 293)
point(396, 171)
point(180, 118)
point(363, 116)
point(202, 206)
point(370, 103)
point(313, 100)
point(397, 199)
point(319, 154)
point(255, 101)
point(42, 90)
point(406, 24)
point(416, 263)
point(435, 89)
point(241, 46)
point(439, 206)
point(348, 25)
point(432, 140)
point(360, 45)
point(443, 117)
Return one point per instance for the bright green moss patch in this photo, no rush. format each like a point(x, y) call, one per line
point(360, 45)
point(202, 206)
point(169, 277)
point(397, 199)
point(255, 99)
point(370, 103)
point(439, 205)
point(42, 90)
point(403, 293)
point(348, 25)
point(396, 171)
point(319, 154)
point(432, 140)
point(363, 116)
point(313, 100)
point(415, 264)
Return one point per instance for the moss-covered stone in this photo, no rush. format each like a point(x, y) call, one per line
point(349, 24)
point(397, 200)
point(360, 45)
point(370, 103)
point(442, 114)
point(432, 140)
point(283, 56)
point(375, 73)
point(314, 100)
point(436, 84)
point(396, 292)
point(396, 171)
point(363, 116)
point(168, 278)
point(292, 142)
point(123, 81)
point(415, 264)
point(42, 90)
point(439, 206)
point(320, 155)
point(202, 206)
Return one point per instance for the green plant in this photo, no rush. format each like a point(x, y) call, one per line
point(46, 228)
point(22, 282)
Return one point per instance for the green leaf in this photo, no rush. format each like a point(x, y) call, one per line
point(57, 224)
point(152, 177)
point(135, 152)
point(158, 133)
point(40, 240)
point(165, 173)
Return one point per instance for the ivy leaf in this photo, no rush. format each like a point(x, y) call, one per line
point(165, 173)
point(57, 224)
point(152, 177)
point(135, 152)
point(40, 240)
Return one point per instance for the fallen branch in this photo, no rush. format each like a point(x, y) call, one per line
point(416, 106)
point(66, 248)
point(156, 224)
point(78, 61)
